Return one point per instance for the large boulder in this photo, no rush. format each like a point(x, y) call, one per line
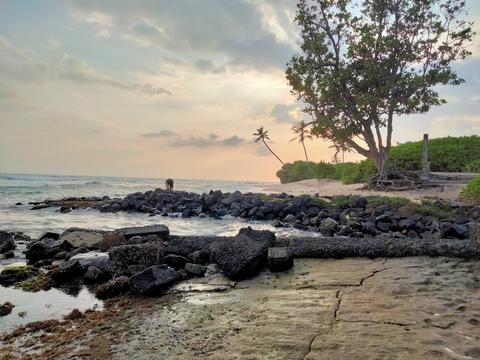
point(128, 259)
point(244, 255)
point(6, 242)
point(67, 271)
point(46, 249)
point(154, 281)
point(82, 237)
point(98, 259)
point(159, 230)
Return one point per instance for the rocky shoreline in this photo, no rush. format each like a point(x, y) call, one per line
point(354, 216)
point(148, 260)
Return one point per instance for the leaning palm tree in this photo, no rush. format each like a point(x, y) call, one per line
point(262, 135)
point(301, 129)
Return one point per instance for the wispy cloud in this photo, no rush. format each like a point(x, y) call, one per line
point(28, 65)
point(159, 134)
point(210, 140)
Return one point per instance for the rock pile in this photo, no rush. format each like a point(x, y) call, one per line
point(355, 217)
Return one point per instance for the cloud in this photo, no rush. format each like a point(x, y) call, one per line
point(27, 65)
point(159, 134)
point(286, 113)
point(210, 140)
point(233, 141)
point(217, 35)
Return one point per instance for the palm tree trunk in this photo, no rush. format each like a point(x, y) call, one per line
point(305, 150)
point(268, 147)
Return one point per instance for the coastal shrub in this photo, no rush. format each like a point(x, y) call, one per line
point(348, 173)
point(473, 166)
point(471, 191)
point(449, 154)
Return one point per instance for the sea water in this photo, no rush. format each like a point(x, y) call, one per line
point(23, 189)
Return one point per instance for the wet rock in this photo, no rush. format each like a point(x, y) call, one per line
point(175, 261)
point(111, 240)
point(98, 259)
point(195, 269)
point(159, 230)
point(61, 255)
point(6, 308)
point(9, 254)
point(328, 226)
point(82, 237)
point(45, 249)
point(279, 259)
point(42, 263)
point(290, 218)
point(94, 275)
point(67, 271)
point(154, 281)
point(244, 255)
point(112, 288)
point(49, 235)
point(7, 242)
point(141, 255)
point(14, 274)
point(201, 257)
point(459, 231)
point(185, 245)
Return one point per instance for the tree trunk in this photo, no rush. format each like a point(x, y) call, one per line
point(268, 147)
point(305, 150)
point(380, 159)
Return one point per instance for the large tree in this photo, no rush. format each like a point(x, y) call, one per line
point(364, 63)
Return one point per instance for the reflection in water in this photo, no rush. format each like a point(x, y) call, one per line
point(43, 305)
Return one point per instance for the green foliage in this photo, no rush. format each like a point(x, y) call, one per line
point(449, 154)
point(471, 191)
point(473, 166)
point(439, 209)
point(362, 64)
point(348, 173)
point(269, 198)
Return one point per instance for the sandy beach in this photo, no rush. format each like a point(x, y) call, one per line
point(449, 191)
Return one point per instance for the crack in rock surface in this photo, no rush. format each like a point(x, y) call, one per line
point(400, 308)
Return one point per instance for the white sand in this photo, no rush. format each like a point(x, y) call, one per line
point(332, 187)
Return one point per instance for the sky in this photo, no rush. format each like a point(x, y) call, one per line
point(169, 88)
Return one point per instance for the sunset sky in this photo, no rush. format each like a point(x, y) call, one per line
point(168, 89)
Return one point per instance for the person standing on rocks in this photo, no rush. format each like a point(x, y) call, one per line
point(169, 184)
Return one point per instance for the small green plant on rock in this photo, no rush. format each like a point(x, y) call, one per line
point(471, 191)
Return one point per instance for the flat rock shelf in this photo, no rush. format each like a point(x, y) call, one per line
point(412, 307)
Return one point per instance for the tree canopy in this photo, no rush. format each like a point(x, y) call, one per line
point(364, 63)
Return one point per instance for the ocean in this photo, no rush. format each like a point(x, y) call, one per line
point(55, 303)
point(16, 188)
